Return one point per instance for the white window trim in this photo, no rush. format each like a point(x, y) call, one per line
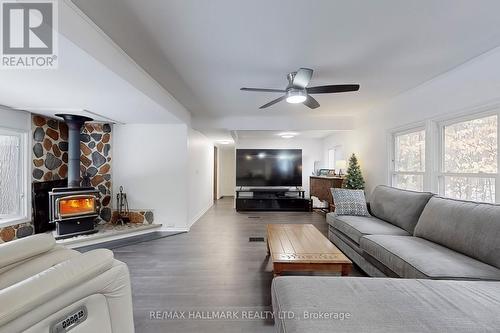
point(440, 174)
point(392, 154)
point(25, 175)
point(434, 143)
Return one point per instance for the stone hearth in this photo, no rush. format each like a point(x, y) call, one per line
point(107, 232)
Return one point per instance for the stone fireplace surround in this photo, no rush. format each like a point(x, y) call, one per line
point(50, 157)
point(49, 162)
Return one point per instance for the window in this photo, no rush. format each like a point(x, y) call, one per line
point(461, 161)
point(469, 159)
point(13, 203)
point(408, 163)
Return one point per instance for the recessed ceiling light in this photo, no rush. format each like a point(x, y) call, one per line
point(224, 142)
point(288, 135)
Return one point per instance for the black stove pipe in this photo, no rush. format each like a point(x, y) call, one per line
point(75, 123)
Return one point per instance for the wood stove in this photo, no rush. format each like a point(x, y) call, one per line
point(74, 209)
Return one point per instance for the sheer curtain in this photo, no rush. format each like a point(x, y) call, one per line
point(10, 190)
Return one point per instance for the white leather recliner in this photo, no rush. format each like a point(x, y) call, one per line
point(49, 288)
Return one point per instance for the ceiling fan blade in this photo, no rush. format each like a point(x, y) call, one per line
point(264, 90)
point(274, 101)
point(334, 88)
point(302, 78)
point(311, 102)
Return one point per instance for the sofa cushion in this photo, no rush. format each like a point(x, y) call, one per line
point(349, 242)
point(34, 265)
point(413, 257)
point(349, 202)
point(353, 252)
point(467, 227)
point(399, 207)
point(24, 248)
point(356, 227)
point(385, 305)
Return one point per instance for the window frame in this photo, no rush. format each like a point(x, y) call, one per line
point(24, 178)
point(393, 173)
point(439, 178)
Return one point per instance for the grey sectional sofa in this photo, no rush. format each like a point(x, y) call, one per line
point(447, 252)
point(384, 305)
point(421, 236)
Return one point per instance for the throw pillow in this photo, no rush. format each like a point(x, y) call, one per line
point(349, 202)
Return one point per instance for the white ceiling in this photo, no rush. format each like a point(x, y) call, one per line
point(204, 51)
point(79, 84)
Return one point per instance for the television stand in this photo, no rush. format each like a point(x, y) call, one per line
point(272, 199)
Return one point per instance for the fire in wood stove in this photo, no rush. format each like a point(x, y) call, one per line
point(76, 205)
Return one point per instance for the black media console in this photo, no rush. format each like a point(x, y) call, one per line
point(272, 199)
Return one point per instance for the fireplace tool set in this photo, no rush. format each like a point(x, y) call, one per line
point(122, 207)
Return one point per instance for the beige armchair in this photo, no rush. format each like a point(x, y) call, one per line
point(48, 288)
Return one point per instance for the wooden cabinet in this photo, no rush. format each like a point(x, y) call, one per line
point(320, 187)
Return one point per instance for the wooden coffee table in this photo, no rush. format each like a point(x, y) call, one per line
point(302, 248)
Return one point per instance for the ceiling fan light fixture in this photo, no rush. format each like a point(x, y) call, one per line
point(298, 89)
point(295, 96)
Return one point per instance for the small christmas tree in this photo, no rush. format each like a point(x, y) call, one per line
point(354, 179)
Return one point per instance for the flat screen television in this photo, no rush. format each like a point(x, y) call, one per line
point(268, 167)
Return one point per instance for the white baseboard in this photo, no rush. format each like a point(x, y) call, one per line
point(190, 223)
point(199, 215)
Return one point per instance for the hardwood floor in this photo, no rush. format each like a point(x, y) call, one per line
point(213, 267)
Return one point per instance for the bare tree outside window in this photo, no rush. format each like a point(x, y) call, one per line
point(409, 160)
point(470, 159)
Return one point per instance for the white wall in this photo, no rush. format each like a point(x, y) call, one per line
point(151, 163)
point(227, 171)
point(312, 150)
point(200, 175)
point(465, 89)
point(16, 120)
point(345, 143)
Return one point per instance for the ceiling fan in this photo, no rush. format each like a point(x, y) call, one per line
point(298, 92)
